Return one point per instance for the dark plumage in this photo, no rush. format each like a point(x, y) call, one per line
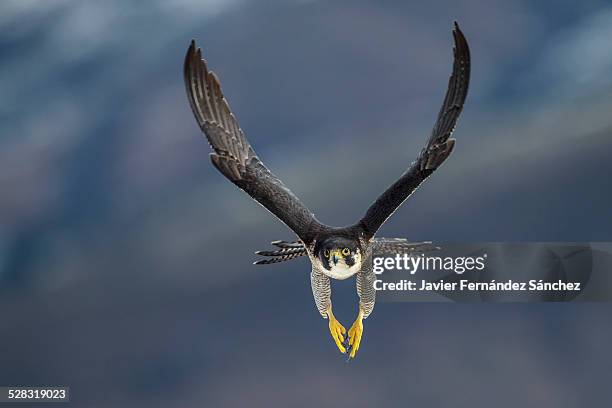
point(334, 252)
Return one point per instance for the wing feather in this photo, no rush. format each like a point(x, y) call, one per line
point(232, 154)
point(439, 145)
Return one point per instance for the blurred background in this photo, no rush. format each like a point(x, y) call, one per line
point(125, 257)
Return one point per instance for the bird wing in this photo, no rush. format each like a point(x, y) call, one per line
point(438, 147)
point(233, 156)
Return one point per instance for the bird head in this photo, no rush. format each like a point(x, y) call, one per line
point(340, 256)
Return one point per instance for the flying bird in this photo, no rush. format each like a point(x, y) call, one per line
point(334, 252)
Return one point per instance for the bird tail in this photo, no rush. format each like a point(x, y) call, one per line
point(386, 246)
point(381, 246)
point(286, 252)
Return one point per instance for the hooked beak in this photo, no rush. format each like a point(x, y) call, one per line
point(335, 256)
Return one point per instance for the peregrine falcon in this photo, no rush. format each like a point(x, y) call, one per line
point(334, 252)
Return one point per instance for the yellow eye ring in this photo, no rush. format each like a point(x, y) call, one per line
point(326, 253)
point(346, 251)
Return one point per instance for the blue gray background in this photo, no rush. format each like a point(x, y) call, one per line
point(125, 258)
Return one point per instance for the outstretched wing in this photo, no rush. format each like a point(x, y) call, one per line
point(233, 155)
point(438, 147)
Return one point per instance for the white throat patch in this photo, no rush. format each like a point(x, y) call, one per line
point(341, 270)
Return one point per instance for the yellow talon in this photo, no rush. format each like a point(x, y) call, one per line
point(355, 333)
point(336, 330)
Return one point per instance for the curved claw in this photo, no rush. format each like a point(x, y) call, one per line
point(337, 331)
point(355, 333)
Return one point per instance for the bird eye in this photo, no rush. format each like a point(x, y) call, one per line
point(346, 252)
point(326, 253)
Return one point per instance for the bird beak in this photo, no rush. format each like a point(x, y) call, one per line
point(335, 256)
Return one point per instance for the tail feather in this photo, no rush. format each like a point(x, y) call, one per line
point(382, 246)
point(287, 251)
point(281, 252)
point(286, 244)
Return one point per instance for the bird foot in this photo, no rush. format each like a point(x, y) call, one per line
point(337, 331)
point(354, 335)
